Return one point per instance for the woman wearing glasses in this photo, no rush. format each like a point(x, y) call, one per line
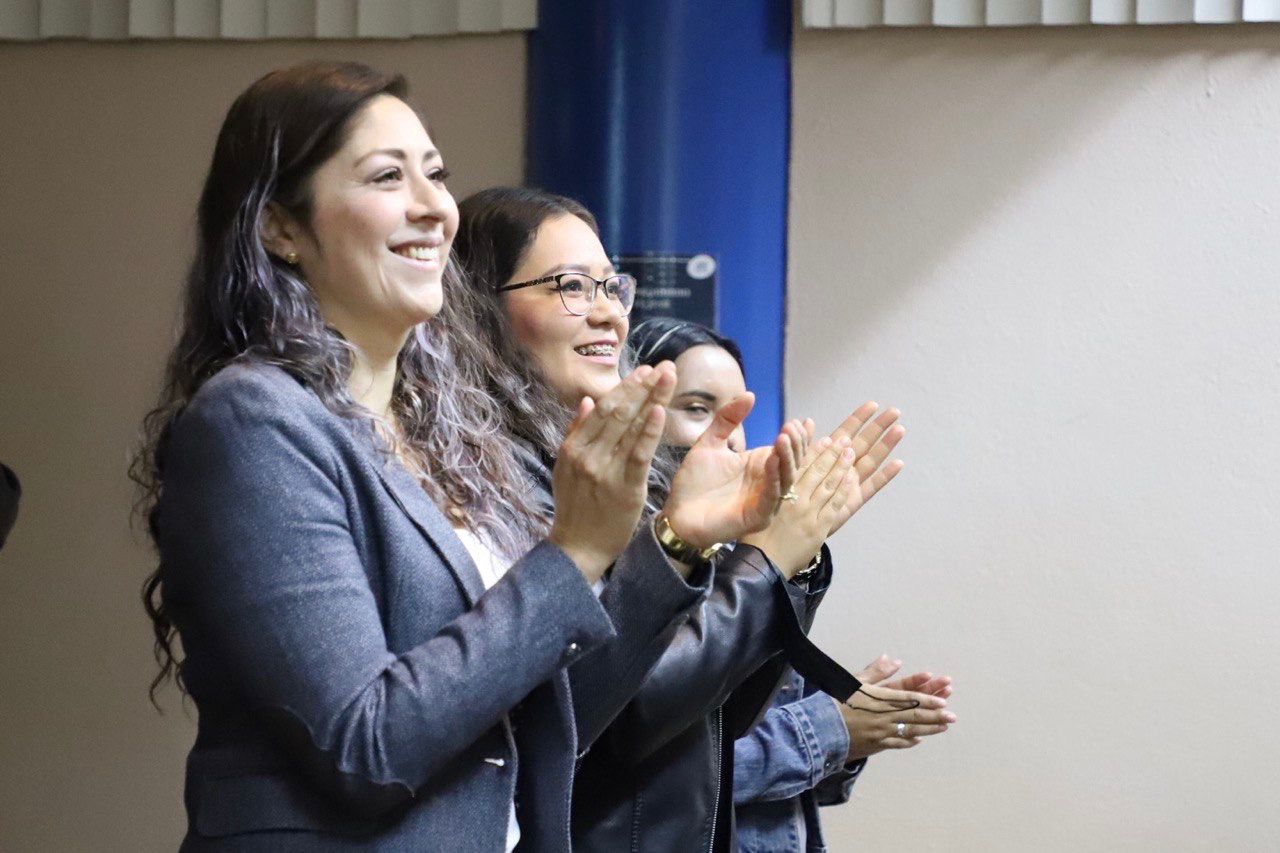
point(660, 777)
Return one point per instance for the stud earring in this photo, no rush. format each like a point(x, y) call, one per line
point(291, 259)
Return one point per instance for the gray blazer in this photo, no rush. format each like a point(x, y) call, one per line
point(350, 671)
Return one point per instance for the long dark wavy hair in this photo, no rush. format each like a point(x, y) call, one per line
point(243, 304)
point(498, 225)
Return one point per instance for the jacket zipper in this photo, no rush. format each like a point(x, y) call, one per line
point(715, 806)
point(568, 796)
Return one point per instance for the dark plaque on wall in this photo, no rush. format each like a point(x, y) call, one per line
point(681, 286)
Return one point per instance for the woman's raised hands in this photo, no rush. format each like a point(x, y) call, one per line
point(720, 494)
point(811, 508)
point(836, 476)
point(872, 441)
point(601, 475)
point(890, 721)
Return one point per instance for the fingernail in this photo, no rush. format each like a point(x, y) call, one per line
point(949, 717)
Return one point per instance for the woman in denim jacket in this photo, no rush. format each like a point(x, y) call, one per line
point(808, 749)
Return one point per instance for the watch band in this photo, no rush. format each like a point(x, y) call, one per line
point(678, 549)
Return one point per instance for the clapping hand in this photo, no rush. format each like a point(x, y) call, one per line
point(812, 507)
point(720, 494)
point(601, 476)
point(838, 475)
point(872, 441)
point(884, 723)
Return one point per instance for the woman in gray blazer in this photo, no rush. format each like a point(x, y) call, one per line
point(376, 614)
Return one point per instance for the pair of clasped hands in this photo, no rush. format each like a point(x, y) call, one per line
point(600, 483)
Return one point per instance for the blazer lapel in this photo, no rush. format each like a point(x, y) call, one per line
point(428, 518)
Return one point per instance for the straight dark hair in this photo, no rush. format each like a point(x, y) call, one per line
point(667, 338)
point(244, 304)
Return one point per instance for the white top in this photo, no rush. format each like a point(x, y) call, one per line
point(492, 568)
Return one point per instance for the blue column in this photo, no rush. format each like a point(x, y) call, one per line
point(670, 120)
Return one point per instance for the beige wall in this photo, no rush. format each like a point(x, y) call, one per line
point(102, 151)
point(1057, 252)
point(1055, 249)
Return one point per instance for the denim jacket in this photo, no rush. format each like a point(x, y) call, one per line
point(788, 765)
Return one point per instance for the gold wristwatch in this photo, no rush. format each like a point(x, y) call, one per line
point(678, 549)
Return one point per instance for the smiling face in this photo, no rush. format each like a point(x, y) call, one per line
point(707, 377)
point(382, 223)
point(578, 356)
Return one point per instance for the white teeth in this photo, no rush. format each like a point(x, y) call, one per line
point(420, 253)
point(595, 349)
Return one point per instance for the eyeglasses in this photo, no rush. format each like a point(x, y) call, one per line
point(578, 290)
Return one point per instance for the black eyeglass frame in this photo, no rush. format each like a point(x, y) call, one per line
point(597, 284)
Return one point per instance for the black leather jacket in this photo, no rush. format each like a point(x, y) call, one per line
point(660, 777)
